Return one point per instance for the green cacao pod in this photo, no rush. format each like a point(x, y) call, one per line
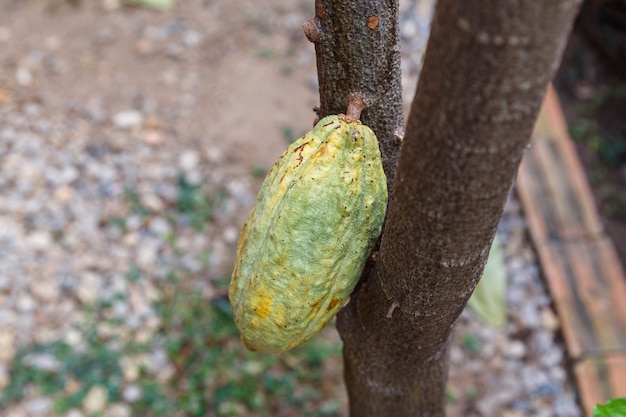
point(302, 250)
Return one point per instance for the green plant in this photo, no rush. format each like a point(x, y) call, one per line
point(134, 201)
point(615, 407)
point(470, 343)
point(194, 203)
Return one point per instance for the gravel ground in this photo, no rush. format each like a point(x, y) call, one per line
point(92, 181)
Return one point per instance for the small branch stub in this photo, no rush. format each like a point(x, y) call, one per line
point(392, 308)
point(355, 105)
point(313, 30)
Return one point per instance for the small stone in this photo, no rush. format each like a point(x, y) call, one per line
point(89, 286)
point(552, 357)
point(558, 374)
point(96, 399)
point(73, 338)
point(152, 202)
point(40, 239)
point(142, 336)
point(132, 393)
point(160, 226)
point(191, 38)
point(130, 368)
point(214, 154)
point(174, 50)
point(25, 303)
point(17, 412)
point(111, 5)
point(72, 386)
point(409, 29)
point(147, 254)
point(130, 239)
point(230, 234)
point(134, 223)
point(549, 321)
point(38, 406)
point(97, 114)
point(189, 160)
point(165, 373)
point(4, 377)
point(63, 194)
point(515, 349)
point(129, 119)
point(153, 137)
point(45, 290)
point(7, 346)
point(24, 76)
point(74, 413)
point(533, 378)
point(118, 410)
point(42, 361)
point(5, 34)
point(529, 316)
point(52, 42)
point(513, 413)
point(119, 309)
point(145, 47)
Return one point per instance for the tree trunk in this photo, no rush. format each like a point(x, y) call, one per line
point(357, 45)
point(486, 69)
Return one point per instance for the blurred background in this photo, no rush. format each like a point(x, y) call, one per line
point(134, 136)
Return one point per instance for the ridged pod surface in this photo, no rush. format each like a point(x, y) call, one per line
point(302, 249)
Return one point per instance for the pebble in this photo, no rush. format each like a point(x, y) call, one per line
point(128, 119)
point(189, 160)
point(42, 361)
point(24, 76)
point(17, 412)
point(46, 290)
point(549, 320)
point(88, 288)
point(515, 349)
point(5, 34)
point(96, 399)
point(132, 393)
point(118, 410)
point(38, 406)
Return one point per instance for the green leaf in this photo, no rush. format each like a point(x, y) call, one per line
point(153, 4)
point(488, 299)
point(613, 408)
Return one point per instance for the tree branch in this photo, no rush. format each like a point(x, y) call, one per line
point(357, 46)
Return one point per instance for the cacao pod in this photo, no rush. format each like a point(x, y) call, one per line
point(318, 214)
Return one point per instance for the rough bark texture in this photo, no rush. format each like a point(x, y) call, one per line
point(486, 68)
point(358, 52)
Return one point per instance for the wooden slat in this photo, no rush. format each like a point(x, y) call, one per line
point(600, 379)
point(590, 386)
point(580, 264)
point(574, 331)
point(590, 309)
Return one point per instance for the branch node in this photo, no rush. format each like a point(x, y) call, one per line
point(355, 105)
point(398, 136)
point(392, 308)
point(313, 30)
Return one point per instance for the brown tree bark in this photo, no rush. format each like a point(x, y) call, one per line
point(357, 45)
point(486, 68)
